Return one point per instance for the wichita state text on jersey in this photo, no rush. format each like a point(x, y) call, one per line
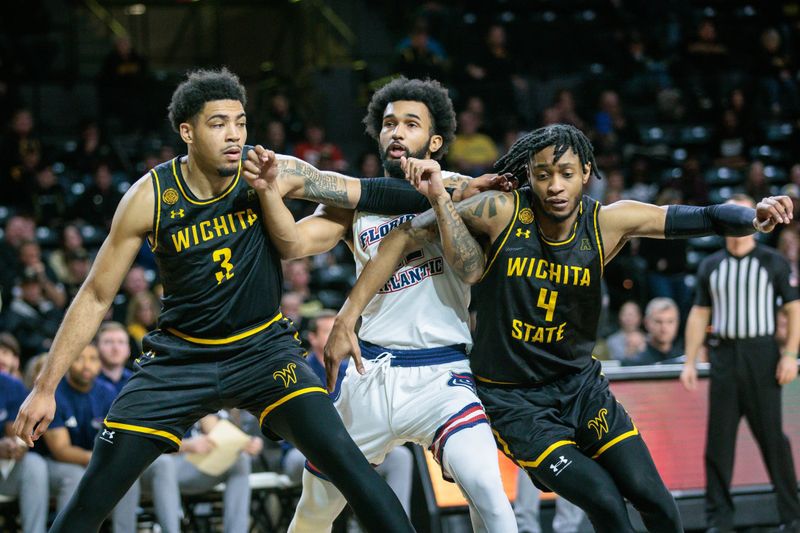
point(222, 277)
point(538, 303)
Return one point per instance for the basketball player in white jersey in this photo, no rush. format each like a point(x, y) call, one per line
point(417, 385)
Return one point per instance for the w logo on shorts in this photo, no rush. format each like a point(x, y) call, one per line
point(599, 423)
point(286, 375)
point(462, 380)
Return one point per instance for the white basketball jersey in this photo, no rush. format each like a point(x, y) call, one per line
point(423, 305)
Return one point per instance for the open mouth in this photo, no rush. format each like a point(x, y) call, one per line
point(396, 151)
point(557, 203)
point(232, 154)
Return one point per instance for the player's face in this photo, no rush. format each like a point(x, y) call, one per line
point(9, 362)
point(406, 131)
point(217, 135)
point(85, 368)
point(114, 347)
point(557, 185)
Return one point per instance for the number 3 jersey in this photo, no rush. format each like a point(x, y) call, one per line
point(221, 274)
point(538, 303)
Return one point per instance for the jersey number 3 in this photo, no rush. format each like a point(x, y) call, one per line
point(223, 257)
point(547, 302)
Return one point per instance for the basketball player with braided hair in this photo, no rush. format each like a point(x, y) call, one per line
point(538, 305)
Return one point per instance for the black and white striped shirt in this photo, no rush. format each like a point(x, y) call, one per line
point(744, 293)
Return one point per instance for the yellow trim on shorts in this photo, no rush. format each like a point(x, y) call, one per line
point(617, 440)
point(158, 211)
point(544, 454)
point(286, 398)
point(599, 242)
point(227, 340)
point(225, 193)
point(510, 227)
point(487, 380)
point(145, 430)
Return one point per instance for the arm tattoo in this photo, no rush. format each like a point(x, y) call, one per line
point(461, 249)
point(326, 188)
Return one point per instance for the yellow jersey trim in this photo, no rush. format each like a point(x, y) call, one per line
point(145, 430)
point(225, 193)
point(286, 398)
point(617, 440)
point(227, 340)
point(487, 380)
point(544, 454)
point(571, 237)
point(158, 211)
point(503, 243)
point(599, 242)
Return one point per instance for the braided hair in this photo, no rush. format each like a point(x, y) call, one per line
point(561, 136)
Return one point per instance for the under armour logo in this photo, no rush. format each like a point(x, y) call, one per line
point(176, 214)
point(560, 465)
point(286, 375)
point(585, 246)
point(251, 194)
point(107, 436)
point(523, 233)
point(599, 423)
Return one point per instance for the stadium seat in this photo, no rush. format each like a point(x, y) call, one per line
point(708, 243)
point(775, 174)
point(776, 132)
point(723, 177)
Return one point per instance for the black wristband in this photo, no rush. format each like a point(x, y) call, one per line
point(391, 196)
point(729, 220)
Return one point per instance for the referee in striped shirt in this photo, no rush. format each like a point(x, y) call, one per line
point(740, 290)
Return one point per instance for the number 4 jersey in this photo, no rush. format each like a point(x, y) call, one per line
point(538, 303)
point(221, 275)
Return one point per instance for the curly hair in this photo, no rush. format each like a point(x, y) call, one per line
point(203, 86)
point(561, 136)
point(430, 92)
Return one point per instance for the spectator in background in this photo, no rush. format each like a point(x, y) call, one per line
point(276, 138)
point(280, 109)
point(612, 128)
point(20, 145)
point(290, 306)
point(134, 283)
point(33, 368)
point(236, 499)
point(142, 316)
point(691, 186)
point(789, 247)
point(568, 516)
point(97, 204)
point(32, 317)
point(641, 186)
point(472, 153)
point(18, 229)
point(27, 479)
point(315, 148)
point(369, 165)
point(755, 183)
point(628, 341)
point(732, 141)
point(78, 266)
point(114, 348)
point(564, 110)
point(9, 356)
point(297, 277)
point(398, 464)
point(421, 56)
point(71, 239)
point(706, 60)
point(661, 320)
point(774, 69)
point(91, 151)
point(30, 259)
point(81, 405)
point(121, 83)
point(48, 198)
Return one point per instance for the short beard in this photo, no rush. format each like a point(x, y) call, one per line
point(392, 166)
point(542, 211)
point(227, 171)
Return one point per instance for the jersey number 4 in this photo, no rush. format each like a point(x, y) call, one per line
point(223, 257)
point(547, 302)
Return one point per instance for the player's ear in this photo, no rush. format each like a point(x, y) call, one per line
point(587, 169)
point(185, 130)
point(435, 143)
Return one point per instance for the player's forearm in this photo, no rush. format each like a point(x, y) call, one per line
point(76, 331)
point(376, 273)
point(696, 325)
point(298, 179)
point(280, 224)
point(72, 454)
point(461, 250)
point(730, 220)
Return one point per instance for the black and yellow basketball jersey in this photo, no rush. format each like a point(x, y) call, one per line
point(221, 274)
point(538, 302)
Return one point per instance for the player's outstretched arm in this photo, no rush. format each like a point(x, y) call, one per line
point(132, 221)
point(626, 219)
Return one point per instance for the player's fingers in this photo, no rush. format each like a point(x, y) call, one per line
point(259, 150)
point(41, 427)
point(19, 430)
point(404, 163)
point(788, 206)
point(357, 360)
point(331, 373)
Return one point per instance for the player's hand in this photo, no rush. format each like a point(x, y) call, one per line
point(772, 211)
point(201, 445)
point(254, 446)
point(260, 169)
point(488, 182)
point(689, 377)
point(787, 369)
point(342, 343)
point(425, 175)
point(34, 416)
